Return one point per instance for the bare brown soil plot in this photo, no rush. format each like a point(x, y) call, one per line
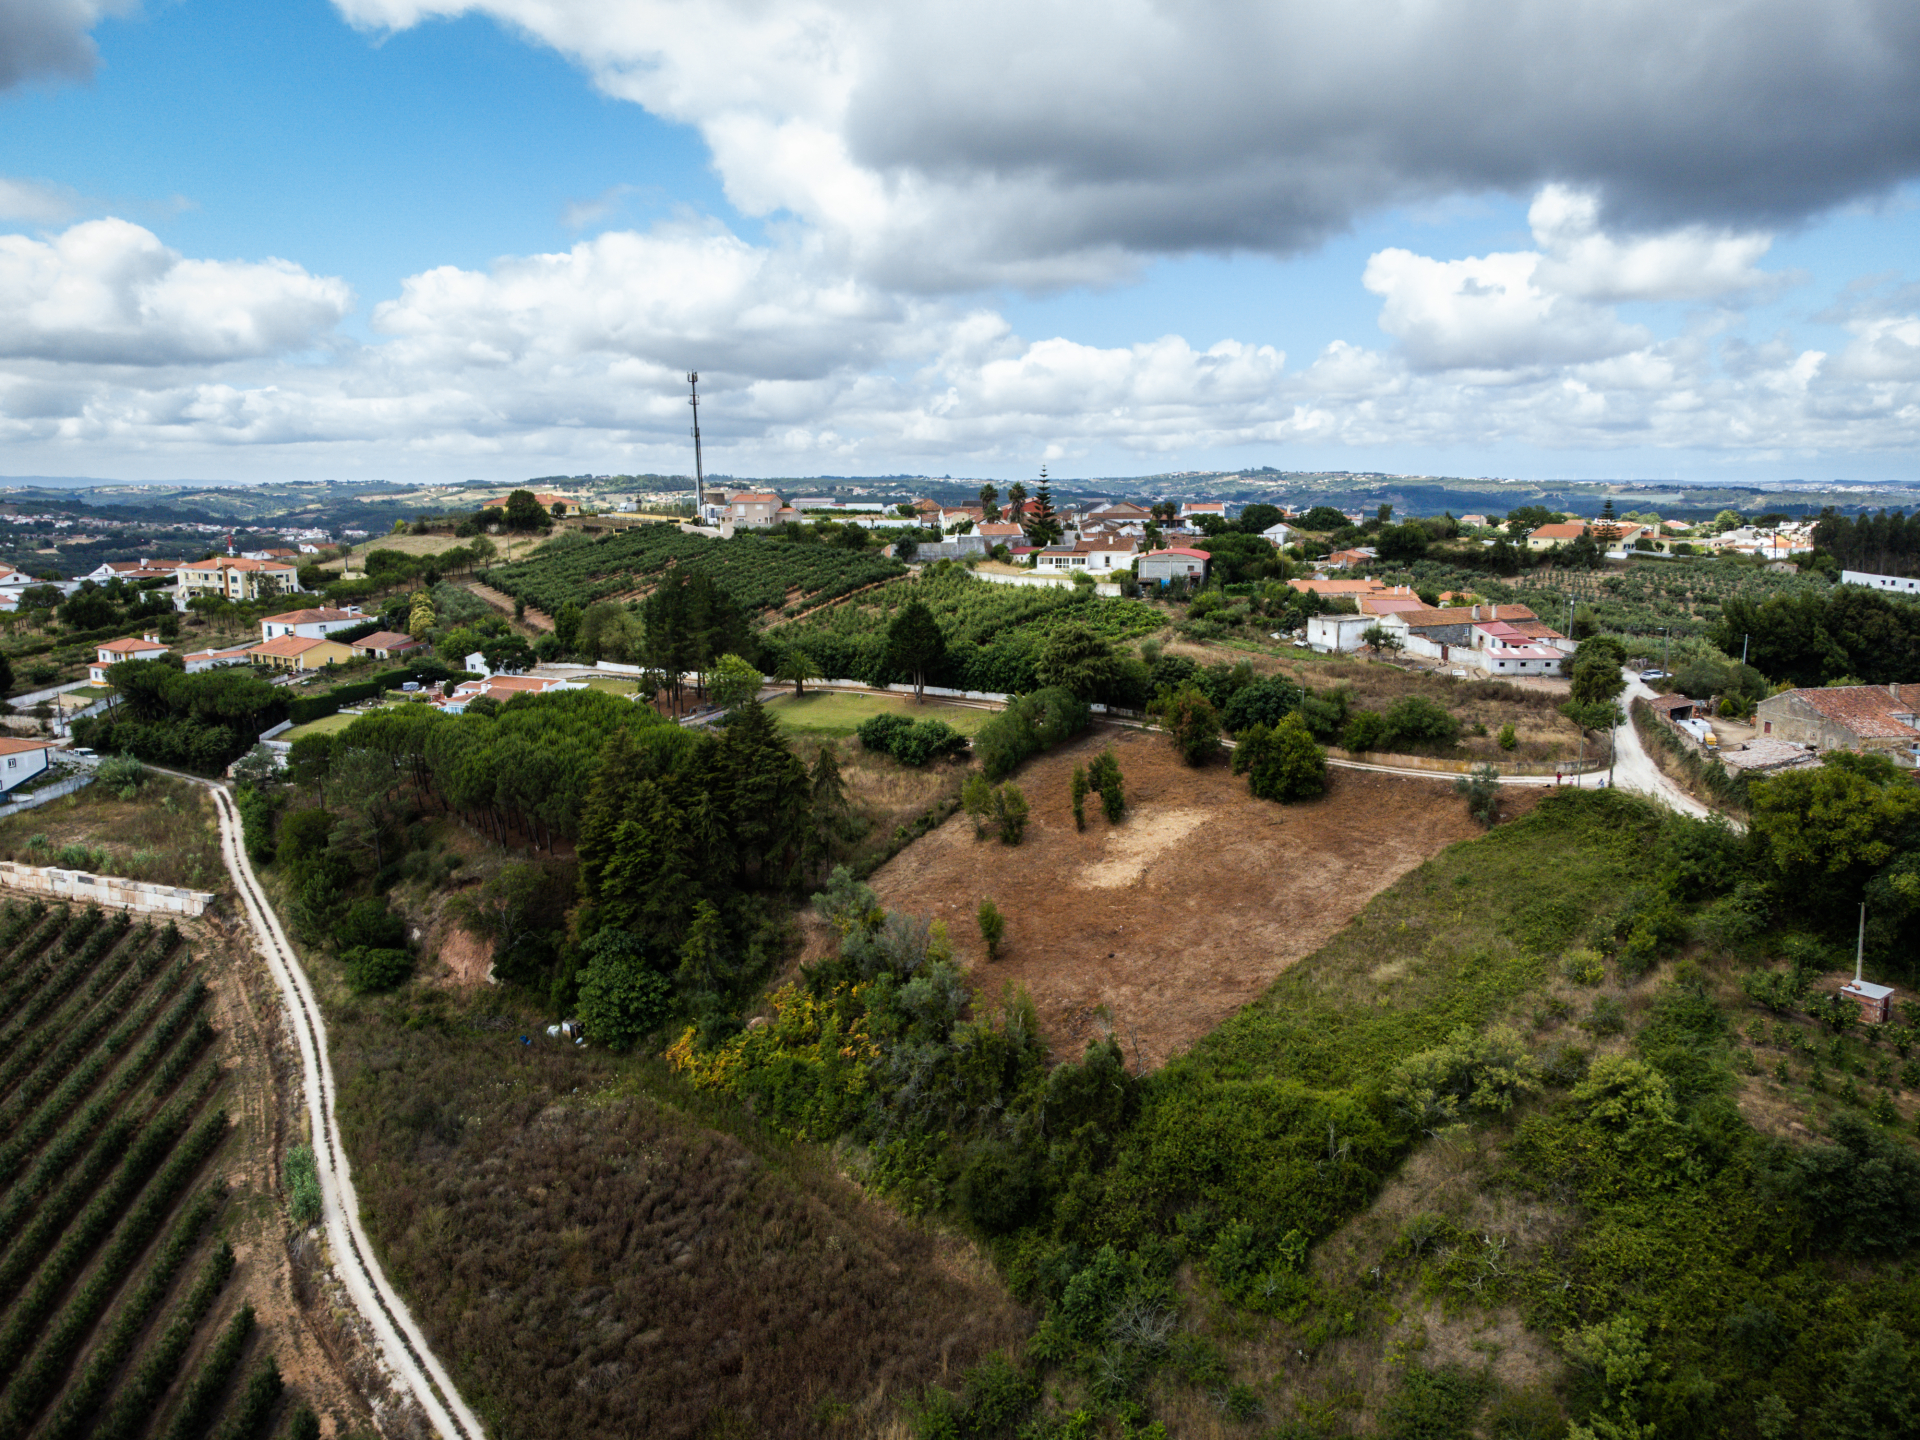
point(1187, 909)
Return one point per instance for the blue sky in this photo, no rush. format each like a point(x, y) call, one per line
point(440, 238)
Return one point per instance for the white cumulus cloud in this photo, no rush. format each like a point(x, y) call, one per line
point(108, 292)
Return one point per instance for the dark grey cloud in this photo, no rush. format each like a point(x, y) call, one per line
point(48, 39)
point(1219, 125)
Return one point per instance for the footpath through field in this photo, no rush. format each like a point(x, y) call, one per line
point(402, 1344)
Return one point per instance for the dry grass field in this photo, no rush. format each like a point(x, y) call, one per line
point(1165, 924)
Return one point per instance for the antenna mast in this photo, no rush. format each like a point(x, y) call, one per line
point(699, 473)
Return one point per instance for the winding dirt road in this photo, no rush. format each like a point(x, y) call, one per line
point(402, 1345)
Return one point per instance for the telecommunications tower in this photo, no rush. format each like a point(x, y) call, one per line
point(699, 473)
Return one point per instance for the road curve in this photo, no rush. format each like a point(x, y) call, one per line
point(401, 1342)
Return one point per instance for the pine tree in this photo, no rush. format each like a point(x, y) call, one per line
point(1042, 525)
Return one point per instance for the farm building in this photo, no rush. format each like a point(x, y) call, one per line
point(1847, 717)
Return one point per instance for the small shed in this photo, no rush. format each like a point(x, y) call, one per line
point(1875, 1001)
point(1675, 708)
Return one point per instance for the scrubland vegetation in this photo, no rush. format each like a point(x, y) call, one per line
point(1555, 1138)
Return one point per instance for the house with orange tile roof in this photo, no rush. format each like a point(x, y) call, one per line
point(503, 688)
point(1562, 532)
point(310, 624)
point(232, 579)
point(753, 509)
point(21, 759)
point(1884, 718)
point(299, 652)
point(384, 645)
point(111, 652)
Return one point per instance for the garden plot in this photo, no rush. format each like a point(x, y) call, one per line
point(1173, 919)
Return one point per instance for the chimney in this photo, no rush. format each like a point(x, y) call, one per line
point(1476, 612)
point(1493, 612)
point(1894, 690)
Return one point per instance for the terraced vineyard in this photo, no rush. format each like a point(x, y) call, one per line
point(764, 575)
point(994, 633)
point(111, 1269)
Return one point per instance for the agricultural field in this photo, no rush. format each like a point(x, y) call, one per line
point(994, 633)
point(763, 575)
point(1643, 599)
point(831, 713)
point(118, 1311)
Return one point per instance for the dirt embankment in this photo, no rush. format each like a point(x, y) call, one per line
point(1188, 908)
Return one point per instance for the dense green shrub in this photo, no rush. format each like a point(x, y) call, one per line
point(621, 1000)
point(1029, 725)
point(371, 968)
point(993, 927)
point(1283, 762)
point(303, 1185)
point(1010, 813)
point(1192, 721)
point(1265, 702)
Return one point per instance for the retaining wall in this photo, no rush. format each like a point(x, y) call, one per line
point(1463, 767)
point(46, 793)
point(77, 885)
point(1108, 588)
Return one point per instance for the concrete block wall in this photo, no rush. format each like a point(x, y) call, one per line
point(81, 888)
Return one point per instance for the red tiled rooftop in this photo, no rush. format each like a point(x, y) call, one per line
point(1866, 710)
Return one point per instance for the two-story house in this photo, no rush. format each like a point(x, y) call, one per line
point(311, 624)
point(237, 580)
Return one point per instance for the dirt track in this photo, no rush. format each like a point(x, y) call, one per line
point(1187, 909)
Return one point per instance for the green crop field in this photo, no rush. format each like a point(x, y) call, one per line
point(1646, 599)
point(112, 1271)
point(994, 633)
point(825, 712)
point(761, 573)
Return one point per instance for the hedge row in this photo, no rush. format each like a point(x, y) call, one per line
point(67, 1147)
point(86, 1304)
point(202, 1398)
point(32, 971)
point(81, 1017)
point(91, 1388)
point(141, 1395)
point(317, 707)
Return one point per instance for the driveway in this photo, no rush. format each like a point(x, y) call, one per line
point(1633, 768)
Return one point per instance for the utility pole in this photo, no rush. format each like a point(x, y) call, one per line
point(1743, 648)
point(699, 472)
point(1666, 640)
point(1860, 945)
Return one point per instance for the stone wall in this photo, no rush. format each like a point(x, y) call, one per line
point(82, 888)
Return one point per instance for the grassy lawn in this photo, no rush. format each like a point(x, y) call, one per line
point(612, 684)
point(322, 726)
point(830, 713)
